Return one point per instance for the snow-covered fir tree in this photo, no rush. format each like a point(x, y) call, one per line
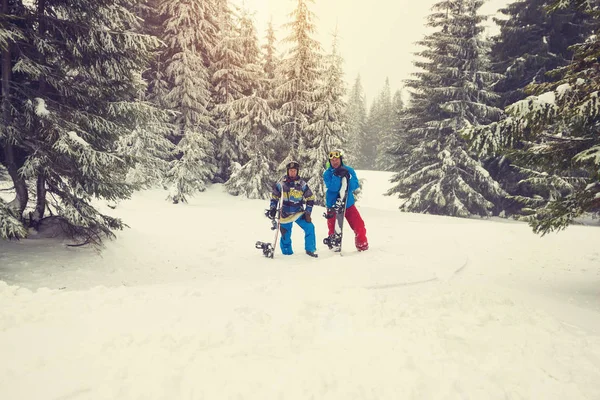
point(270, 62)
point(149, 144)
point(150, 150)
point(251, 118)
point(78, 96)
point(230, 79)
point(190, 34)
point(381, 128)
point(368, 146)
point(253, 122)
point(554, 136)
point(397, 110)
point(435, 172)
point(533, 41)
point(11, 227)
point(13, 32)
point(158, 86)
point(356, 119)
point(299, 74)
point(377, 138)
point(398, 136)
point(328, 130)
point(269, 56)
point(254, 73)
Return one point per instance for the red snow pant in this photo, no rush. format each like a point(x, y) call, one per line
point(356, 224)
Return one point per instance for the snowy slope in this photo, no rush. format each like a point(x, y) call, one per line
point(182, 306)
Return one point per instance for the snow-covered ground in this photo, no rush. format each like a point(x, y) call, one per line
point(182, 306)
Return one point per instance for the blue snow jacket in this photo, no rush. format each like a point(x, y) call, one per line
point(334, 183)
point(295, 192)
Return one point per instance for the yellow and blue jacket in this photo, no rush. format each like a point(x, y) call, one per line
point(295, 192)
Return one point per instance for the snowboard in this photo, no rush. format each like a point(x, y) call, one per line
point(268, 248)
point(334, 242)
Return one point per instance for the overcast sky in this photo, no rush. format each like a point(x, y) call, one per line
point(376, 36)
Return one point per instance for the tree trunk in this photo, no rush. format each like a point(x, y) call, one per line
point(21, 198)
point(40, 206)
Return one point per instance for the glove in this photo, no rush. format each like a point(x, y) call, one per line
point(307, 217)
point(341, 171)
point(330, 213)
point(270, 213)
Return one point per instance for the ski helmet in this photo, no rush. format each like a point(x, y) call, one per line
point(292, 165)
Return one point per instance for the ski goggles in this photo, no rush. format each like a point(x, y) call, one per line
point(335, 154)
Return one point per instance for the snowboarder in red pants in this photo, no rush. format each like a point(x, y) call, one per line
point(333, 181)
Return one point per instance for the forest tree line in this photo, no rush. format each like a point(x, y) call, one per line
point(101, 98)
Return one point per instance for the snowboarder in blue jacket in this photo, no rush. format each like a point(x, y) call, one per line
point(332, 177)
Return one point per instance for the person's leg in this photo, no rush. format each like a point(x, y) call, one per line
point(331, 225)
point(358, 226)
point(286, 238)
point(310, 241)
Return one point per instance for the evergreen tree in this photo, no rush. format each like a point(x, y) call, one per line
point(254, 77)
point(79, 70)
point(435, 173)
point(229, 82)
point(150, 150)
point(397, 110)
point(328, 130)
point(272, 79)
point(554, 136)
point(14, 32)
point(378, 132)
point(356, 118)
point(11, 227)
point(149, 145)
point(269, 56)
point(299, 72)
point(398, 136)
point(384, 132)
point(189, 32)
point(533, 41)
point(373, 126)
point(158, 86)
point(269, 62)
point(252, 119)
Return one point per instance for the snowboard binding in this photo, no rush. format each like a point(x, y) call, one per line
point(272, 218)
point(333, 242)
point(267, 249)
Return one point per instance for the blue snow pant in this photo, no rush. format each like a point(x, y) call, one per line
point(310, 241)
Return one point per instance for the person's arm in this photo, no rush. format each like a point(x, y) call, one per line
point(332, 182)
point(275, 195)
point(353, 183)
point(309, 197)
